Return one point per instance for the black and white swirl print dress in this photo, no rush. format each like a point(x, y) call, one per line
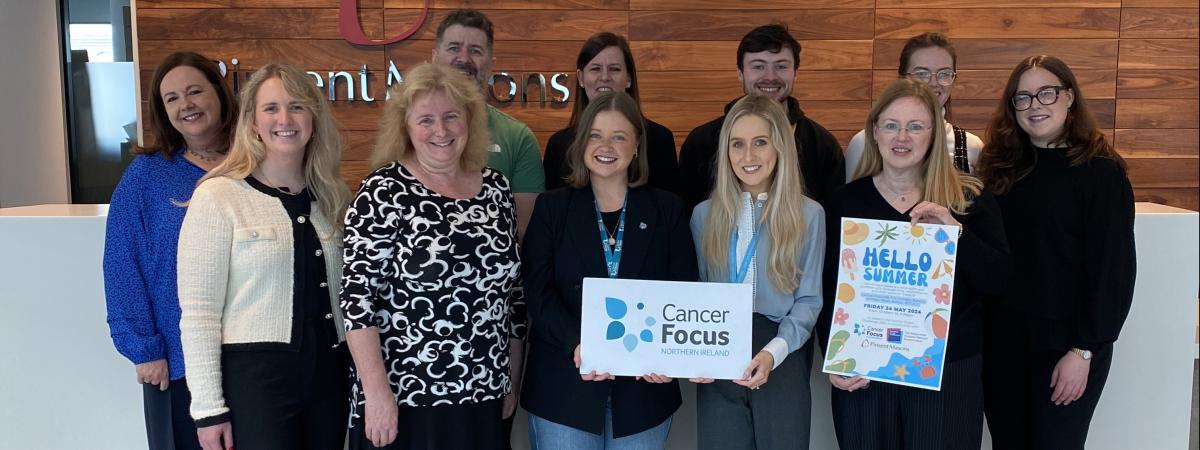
point(440, 278)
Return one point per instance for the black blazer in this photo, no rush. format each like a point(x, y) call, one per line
point(561, 248)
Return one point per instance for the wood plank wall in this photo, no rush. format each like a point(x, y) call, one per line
point(1137, 60)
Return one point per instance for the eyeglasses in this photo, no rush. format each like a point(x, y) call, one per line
point(914, 128)
point(1046, 96)
point(945, 77)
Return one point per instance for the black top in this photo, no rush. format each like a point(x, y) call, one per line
point(440, 278)
point(310, 305)
point(664, 167)
point(820, 156)
point(1071, 233)
point(561, 247)
point(982, 270)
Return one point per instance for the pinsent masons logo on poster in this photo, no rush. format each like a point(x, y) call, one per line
point(352, 31)
point(617, 310)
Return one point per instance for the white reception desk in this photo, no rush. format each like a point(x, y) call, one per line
point(62, 386)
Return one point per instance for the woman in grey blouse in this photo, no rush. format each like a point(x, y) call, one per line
point(758, 228)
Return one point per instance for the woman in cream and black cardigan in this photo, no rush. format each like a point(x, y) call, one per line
point(259, 270)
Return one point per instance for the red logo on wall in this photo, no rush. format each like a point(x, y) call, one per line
point(351, 27)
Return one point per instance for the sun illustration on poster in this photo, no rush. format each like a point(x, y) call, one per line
point(617, 310)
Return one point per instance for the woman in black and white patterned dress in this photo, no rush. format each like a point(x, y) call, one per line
point(430, 285)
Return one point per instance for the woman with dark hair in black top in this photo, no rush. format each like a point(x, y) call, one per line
point(1068, 212)
point(605, 64)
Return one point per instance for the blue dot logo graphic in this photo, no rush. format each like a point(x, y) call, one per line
point(617, 310)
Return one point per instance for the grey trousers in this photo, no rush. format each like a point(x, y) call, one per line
point(775, 416)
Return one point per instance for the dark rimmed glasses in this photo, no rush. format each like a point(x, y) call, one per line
point(944, 77)
point(1047, 96)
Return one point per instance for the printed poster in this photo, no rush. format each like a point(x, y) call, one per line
point(891, 312)
point(677, 329)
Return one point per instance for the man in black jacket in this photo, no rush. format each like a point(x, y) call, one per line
point(767, 60)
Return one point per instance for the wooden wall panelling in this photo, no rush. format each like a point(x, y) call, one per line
point(544, 25)
point(1158, 3)
point(1159, 83)
point(993, 4)
point(517, 55)
point(684, 5)
point(724, 25)
point(989, 53)
point(229, 24)
point(993, 22)
point(1159, 54)
point(722, 55)
point(1158, 142)
point(1160, 23)
point(725, 86)
point(1163, 172)
point(1157, 113)
point(989, 84)
point(1188, 198)
point(513, 4)
point(310, 53)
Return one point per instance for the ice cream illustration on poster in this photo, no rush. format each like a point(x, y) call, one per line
point(893, 298)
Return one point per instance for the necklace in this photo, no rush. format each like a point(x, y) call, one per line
point(612, 235)
point(903, 195)
point(262, 177)
point(204, 156)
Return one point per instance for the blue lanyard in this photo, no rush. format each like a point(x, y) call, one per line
point(612, 256)
point(737, 275)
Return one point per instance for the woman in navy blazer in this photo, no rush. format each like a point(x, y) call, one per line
point(605, 224)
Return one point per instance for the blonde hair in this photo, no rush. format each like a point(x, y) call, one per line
point(638, 171)
point(942, 183)
point(394, 143)
point(783, 213)
point(322, 154)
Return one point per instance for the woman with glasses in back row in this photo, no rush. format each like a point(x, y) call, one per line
point(1068, 213)
point(929, 58)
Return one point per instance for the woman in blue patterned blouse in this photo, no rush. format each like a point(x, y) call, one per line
point(191, 120)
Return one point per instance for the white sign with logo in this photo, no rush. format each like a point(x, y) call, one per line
point(671, 328)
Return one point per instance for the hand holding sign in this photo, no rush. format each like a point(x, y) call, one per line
point(659, 330)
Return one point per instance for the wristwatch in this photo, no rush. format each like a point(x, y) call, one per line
point(1085, 354)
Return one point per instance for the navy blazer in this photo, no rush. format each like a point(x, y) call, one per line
point(562, 246)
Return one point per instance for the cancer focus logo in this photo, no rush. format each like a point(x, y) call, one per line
point(351, 27)
point(617, 310)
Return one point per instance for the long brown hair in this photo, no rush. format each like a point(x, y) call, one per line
point(164, 138)
point(941, 182)
point(322, 155)
point(638, 171)
point(1009, 154)
point(592, 47)
point(783, 214)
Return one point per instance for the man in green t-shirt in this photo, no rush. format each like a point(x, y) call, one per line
point(464, 40)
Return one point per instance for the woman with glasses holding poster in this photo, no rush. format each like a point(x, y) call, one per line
point(1068, 211)
point(605, 223)
point(929, 58)
point(759, 228)
point(905, 176)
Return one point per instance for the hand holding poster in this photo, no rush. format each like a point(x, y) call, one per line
point(676, 329)
point(892, 313)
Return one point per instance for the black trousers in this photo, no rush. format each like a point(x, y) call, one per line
point(475, 426)
point(888, 416)
point(288, 400)
point(1017, 391)
point(169, 425)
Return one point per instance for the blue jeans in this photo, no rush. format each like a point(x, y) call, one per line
point(547, 435)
